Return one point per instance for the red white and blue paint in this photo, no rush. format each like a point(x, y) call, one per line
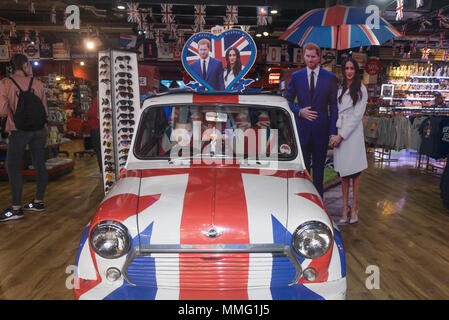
point(172, 205)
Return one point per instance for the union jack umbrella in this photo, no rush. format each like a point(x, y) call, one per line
point(262, 16)
point(53, 14)
point(200, 14)
point(133, 12)
point(232, 12)
point(399, 9)
point(32, 8)
point(339, 27)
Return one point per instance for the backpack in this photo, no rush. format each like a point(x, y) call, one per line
point(30, 113)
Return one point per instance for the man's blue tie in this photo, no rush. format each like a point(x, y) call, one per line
point(204, 69)
point(312, 84)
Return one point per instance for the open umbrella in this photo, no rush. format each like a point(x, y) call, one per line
point(339, 27)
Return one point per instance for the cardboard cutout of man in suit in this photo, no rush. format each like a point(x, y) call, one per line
point(207, 68)
point(315, 126)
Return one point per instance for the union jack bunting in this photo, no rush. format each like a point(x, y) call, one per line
point(219, 48)
point(180, 40)
point(262, 16)
point(399, 9)
point(53, 14)
point(159, 37)
point(143, 21)
point(166, 13)
point(12, 30)
point(413, 47)
point(425, 54)
point(423, 23)
point(149, 31)
point(445, 55)
point(198, 28)
point(443, 21)
point(232, 13)
point(132, 12)
point(173, 28)
point(245, 28)
point(200, 14)
point(32, 8)
point(26, 37)
point(419, 3)
point(227, 23)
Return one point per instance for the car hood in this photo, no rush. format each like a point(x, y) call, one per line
point(210, 205)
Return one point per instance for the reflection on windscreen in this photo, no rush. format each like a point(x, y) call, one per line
point(231, 131)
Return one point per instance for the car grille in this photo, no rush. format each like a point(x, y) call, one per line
point(250, 267)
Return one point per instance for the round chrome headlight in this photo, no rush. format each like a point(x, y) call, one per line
point(312, 239)
point(110, 239)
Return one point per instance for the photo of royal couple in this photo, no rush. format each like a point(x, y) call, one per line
point(215, 73)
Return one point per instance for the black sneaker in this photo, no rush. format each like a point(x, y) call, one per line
point(34, 206)
point(10, 214)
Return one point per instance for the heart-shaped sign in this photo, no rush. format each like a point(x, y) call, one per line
point(219, 62)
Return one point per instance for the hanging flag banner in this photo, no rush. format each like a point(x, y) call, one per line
point(219, 62)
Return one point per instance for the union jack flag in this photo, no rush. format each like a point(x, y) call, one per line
point(442, 19)
point(232, 13)
point(159, 37)
point(262, 15)
point(32, 9)
point(143, 21)
point(53, 14)
point(149, 31)
point(425, 54)
point(399, 8)
point(227, 23)
point(133, 12)
point(200, 14)
point(166, 13)
point(219, 48)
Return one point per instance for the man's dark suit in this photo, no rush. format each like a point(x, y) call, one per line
point(314, 135)
point(214, 74)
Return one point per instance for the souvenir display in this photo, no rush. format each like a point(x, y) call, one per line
point(118, 99)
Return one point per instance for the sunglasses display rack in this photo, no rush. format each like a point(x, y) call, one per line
point(118, 103)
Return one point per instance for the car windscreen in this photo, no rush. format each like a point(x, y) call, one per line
point(215, 130)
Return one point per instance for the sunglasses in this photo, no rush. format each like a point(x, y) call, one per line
point(107, 116)
point(105, 81)
point(125, 95)
point(104, 66)
point(124, 74)
point(104, 58)
point(107, 157)
point(123, 88)
point(122, 164)
point(123, 81)
point(108, 150)
point(107, 110)
point(108, 92)
point(125, 143)
point(107, 136)
point(104, 101)
point(130, 102)
point(125, 122)
point(106, 124)
point(108, 163)
point(125, 116)
point(109, 169)
point(131, 130)
point(109, 183)
point(107, 143)
point(125, 108)
point(121, 58)
point(123, 157)
point(103, 73)
point(126, 136)
point(124, 151)
point(109, 176)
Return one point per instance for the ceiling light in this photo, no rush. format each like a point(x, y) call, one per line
point(58, 78)
point(82, 63)
point(266, 34)
point(36, 63)
point(258, 35)
point(90, 44)
point(121, 7)
point(274, 11)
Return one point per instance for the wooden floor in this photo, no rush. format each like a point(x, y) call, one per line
point(403, 230)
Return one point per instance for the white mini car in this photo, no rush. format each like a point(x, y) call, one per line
point(214, 203)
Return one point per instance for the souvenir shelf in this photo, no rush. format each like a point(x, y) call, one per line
point(416, 84)
point(118, 99)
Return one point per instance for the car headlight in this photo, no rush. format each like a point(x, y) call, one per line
point(110, 239)
point(312, 239)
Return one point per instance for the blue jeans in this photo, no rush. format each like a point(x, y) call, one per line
point(16, 148)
